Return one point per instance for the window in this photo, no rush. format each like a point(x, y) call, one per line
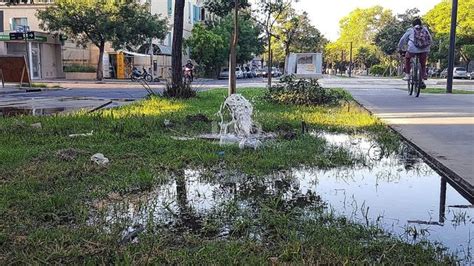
point(1, 21)
point(15, 22)
point(170, 7)
point(196, 13)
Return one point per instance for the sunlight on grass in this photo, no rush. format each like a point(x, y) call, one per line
point(342, 116)
point(151, 107)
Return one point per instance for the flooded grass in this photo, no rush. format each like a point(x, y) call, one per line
point(163, 200)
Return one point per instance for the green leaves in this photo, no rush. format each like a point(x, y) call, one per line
point(439, 18)
point(122, 23)
point(210, 44)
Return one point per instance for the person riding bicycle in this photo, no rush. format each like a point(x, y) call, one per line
point(418, 39)
point(189, 65)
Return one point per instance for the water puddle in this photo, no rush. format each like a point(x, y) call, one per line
point(14, 111)
point(398, 192)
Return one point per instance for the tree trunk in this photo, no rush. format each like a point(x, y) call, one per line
point(177, 49)
point(287, 52)
point(100, 64)
point(233, 52)
point(269, 61)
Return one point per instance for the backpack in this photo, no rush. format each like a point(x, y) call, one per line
point(422, 38)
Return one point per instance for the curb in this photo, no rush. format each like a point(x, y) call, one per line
point(456, 181)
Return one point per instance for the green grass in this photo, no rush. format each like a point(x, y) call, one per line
point(44, 85)
point(46, 201)
point(443, 91)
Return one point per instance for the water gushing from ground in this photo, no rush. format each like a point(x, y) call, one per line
point(240, 129)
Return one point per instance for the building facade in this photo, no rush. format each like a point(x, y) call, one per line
point(48, 55)
point(43, 52)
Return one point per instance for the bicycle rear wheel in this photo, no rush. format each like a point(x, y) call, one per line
point(411, 82)
point(418, 78)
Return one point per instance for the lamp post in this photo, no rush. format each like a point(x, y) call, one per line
point(452, 43)
point(350, 63)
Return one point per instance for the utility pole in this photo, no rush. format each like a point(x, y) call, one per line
point(452, 47)
point(233, 51)
point(350, 63)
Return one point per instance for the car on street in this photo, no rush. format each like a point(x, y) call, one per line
point(471, 75)
point(239, 73)
point(247, 72)
point(224, 74)
point(275, 72)
point(458, 73)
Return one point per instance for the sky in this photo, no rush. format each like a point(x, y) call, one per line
point(325, 14)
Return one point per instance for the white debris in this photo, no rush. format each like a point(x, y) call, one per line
point(182, 138)
point(99, 159)
point(82, 134)
point(250, 143)
point(36, 125)
point(167, 123)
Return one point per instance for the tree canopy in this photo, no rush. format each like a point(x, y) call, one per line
point(439, 18)
point(360, 28)
point(295, 33)
point(209, 44)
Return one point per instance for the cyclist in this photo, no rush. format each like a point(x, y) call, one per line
point(190, 67)
point(418, 39)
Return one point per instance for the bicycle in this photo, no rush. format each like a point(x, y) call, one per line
point(415, 82)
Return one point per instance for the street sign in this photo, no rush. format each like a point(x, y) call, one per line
point(31, 35)
point(16, 36)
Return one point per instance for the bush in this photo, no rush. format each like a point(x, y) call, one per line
point(304, 92)
point(377, 70)
point(80, 68)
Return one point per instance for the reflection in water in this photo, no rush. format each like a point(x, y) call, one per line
point(396, 191)
point(13, 111)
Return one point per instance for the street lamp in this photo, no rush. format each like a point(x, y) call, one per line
point(452, 43)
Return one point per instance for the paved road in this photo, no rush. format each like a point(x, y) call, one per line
point(440, 125)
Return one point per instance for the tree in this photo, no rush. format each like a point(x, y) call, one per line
point(208, 48)
point(439, 21)
point(210, 44)
point(388, 37)
point(269, 12)
point(467, 53)
point(294, 33)
point(101, 21)
point(367, 56)
point(177, 89)
point(439, 18)
point(359, 27)
point(222, 8)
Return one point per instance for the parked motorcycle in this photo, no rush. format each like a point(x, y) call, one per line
point(137, 75)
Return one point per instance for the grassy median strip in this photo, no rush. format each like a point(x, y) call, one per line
point(50, 189)
point(443, 91)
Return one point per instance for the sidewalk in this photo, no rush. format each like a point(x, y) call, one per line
point(440, 126)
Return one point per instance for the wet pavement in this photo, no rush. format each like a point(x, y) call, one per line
point(397, 191)
point(441, 126)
